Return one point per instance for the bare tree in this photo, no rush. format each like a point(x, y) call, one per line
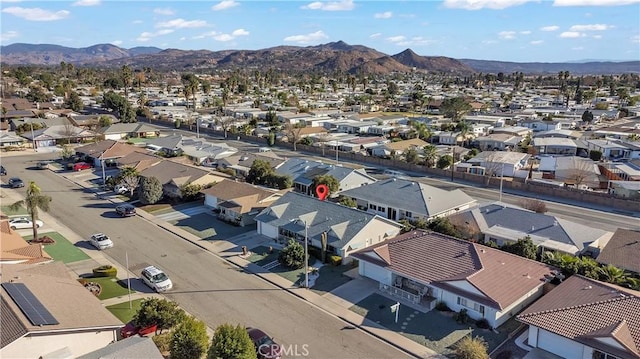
point(535, 205)
point(492, 166)
point(68, 130)
point(322, 139)
point(580, 170)
point(226, 122)
point(293, 133)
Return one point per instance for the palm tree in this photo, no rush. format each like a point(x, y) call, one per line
point(33, 201)
point(430, 154)
point(126, 78)
point(612, 274)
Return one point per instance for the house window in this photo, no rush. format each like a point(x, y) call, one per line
point(462, 301)
point(372, 206)
point(602, 355)
point(408, 214)
point(478, 308)
point(380, 209)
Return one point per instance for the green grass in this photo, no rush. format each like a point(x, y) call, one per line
point(62, 250)
point(260, 255)
point(122, 311)
point(111, 287)
point(331, 277)
point(19, 212)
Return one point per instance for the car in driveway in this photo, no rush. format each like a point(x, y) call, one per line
point(131, 329)
point(23, 223)
point(101, 241)
point(126, 210)
point(156, 279)
point(266, 347)
point(15, 182)
point(81, 166)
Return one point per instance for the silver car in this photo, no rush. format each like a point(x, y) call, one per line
point(101, 241)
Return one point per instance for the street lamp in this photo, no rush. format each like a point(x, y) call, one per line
point(33, 139)
point(336, 151)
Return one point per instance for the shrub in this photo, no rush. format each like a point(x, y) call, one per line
point(471, 348)
point(442, 306)
point(292, 256)
point(105, 271)
point(228, 170)
point(335, 260)
point(461, 317)
point(483, 324)
point(43, 240)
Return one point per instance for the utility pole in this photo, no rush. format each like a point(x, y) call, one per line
point(306, 254)
point(336, 151)
point(501, 179)
point(453, 160)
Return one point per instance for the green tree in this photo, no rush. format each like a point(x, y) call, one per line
point(430, 154)
point(455, 108)
point(587, 116)
point(444, 162)
point(127, 76)
point(348, 202)
point(74, 102)
point(524, 247)
point(292, 256)
point(33, 202)
point(66, 152)
point(129, 177)
point(231, 342)
point(190, 191)
point(161, 312)
point(150, 190)
point(444, 226)
point(595, 155)
point(259, 172)
point(189, 339)
point(411, 155)
point(328, 180)
point(104, 121)
point(612, 274)
point(471, 348)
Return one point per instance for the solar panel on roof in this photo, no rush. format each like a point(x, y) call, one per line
point(29, 304)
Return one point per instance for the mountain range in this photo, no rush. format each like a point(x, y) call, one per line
point(326, 58)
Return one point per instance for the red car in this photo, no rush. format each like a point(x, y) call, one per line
point(81, 166)
point(131, 329)
point(266, 348)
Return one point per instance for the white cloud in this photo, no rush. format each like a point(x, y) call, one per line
point(240, 32)
point(86, 3)
point(164, 32)
point(223, 37)
point(383, 15)
point(594, 27)
point(536, 42)
point(397, 39)
point(163, 11)
point(308, 38)
point(401, 40)
point(550, 28)
point(635, 39)
point(526, 32)
point(571, 34)
point(146, 36)
point(182, 24)
point(343, 5)
point(489, 42)
point(577, 48)
point(482, 4)
point(116, 42)
point(137, 22)
point(224, 5)
point(6, 36)
point(36, 13)
point(376, 35)
point(597, 37)
point(594, 2)
point(507, 35)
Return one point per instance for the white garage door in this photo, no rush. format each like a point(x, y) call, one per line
point(211, 201)
point(267, 230)
point(375, 272)
point(558, 345)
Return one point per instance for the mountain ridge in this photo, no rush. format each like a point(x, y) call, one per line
point(329, 57)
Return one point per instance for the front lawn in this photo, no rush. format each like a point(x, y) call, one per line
point(260, 255)
point(62, 250)
point(111, 287)
point(122, 311)
point(21, 211)
point(331, 277)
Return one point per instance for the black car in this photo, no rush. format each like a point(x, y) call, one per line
point(3, 171)
point(15, 182)
point(126, 210)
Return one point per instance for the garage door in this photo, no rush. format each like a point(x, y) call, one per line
point(559, 345)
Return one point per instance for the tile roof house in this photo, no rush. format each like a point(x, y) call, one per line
point(348, 229)
point(238, 202)
point(398, 147)
point(69, 334)
point(140, 160)
point(108, 151)
point(621, 250)
point(10, 139)
point(54, 134)
point(584, 318)
point(173, 175)
point(119, 131)
point(15, 249)
point(501, 223)
point(398, 199)
point(429, 267)
point(303, 171)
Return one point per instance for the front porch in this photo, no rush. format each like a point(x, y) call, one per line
point(410, 292)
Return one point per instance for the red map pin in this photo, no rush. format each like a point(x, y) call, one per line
point(322, 191)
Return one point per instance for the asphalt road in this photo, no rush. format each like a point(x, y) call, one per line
point(204, 285)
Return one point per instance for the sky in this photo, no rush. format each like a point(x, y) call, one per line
point(503, 30)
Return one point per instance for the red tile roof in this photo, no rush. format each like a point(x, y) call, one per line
point(436, 259)
point(584, 309)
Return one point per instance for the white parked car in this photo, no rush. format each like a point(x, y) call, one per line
point(156, 279)
point(121, 189)
point(101, 241)
point(23, 223)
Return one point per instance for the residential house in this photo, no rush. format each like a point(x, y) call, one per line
point(170, 145)
point(574, 171)
point(520, 131)
point(295, 216)
point(612, 149)
point(450, 138)
point(138, 160)
point(105, 151)
point(15, 250)
point(558, 146)
point(398, 199)
point(540, 125)
point(501, 224)
point(621, 250)
point(625, 189)
point(495, 163)
point(62, 319)
point(498, 141)
point(10, 139)
point(303, 171)
point(241, 162)
point(205, 153)
point(622, 130)
point(58, 134)
point(120, 131)
point(174, 175)
point(584, 318)
point(397, 148)
point(427, 267)
point(238, 202)
point(132, 347)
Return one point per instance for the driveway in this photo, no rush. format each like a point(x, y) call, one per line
point(202, 222)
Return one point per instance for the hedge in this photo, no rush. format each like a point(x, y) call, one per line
point(105, 271)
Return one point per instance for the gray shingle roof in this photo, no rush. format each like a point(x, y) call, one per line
point(341, 223)
point(411, 196)
point(303, 171)
point(622, 250)
point(132, 347)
